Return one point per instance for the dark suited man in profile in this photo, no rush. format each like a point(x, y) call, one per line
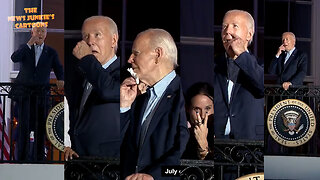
point(290, 64)
point(156, 122)
point(94, 108)
point(238, 82)
point(31, 89)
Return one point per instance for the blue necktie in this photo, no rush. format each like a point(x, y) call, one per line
point(151, 103)
point(287, 57)
point(37, 49)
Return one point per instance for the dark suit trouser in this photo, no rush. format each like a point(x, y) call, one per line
point(31, 117)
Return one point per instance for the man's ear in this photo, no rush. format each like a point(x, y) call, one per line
point(250, 35)
point(159, 54)
point(114, 40)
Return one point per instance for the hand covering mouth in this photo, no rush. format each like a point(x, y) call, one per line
point(134, 75)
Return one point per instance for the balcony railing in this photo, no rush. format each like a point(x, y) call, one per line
point(14, 123)
point(92, 168)
point(231, 157)
point(235, 158)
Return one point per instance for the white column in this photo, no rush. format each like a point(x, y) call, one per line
point(6, 49)
point(6, 40)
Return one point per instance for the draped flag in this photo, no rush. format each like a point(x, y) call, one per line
point(4, 138)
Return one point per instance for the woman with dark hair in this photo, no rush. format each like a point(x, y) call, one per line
point(199, 108)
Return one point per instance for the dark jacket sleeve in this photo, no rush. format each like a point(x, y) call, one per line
point(124, 122)
point(253, 71)
point(19, 54)
point(106, 82)
point(274, 66)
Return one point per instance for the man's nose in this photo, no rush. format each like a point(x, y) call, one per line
point(130, 60)
point(90, 41)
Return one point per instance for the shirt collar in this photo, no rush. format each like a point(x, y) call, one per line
point(41, 46)
point(291, 51)
point(162, 85)
point(107, 64)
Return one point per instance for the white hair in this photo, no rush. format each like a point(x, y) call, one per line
point(291, 34)
point(162, 38)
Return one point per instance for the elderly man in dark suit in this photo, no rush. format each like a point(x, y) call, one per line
point(238, 82)
point(156, 122)
point(290, 64)
point(94, 109)
point(31, 89)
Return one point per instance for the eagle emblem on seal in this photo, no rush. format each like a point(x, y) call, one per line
point(291, 121)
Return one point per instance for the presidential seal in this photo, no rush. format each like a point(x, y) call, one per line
point(291, 122)
point(55, 125)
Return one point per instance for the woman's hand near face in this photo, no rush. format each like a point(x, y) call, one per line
point(201, 131)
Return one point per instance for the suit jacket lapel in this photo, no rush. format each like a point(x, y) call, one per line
point(87, 91)
point(32, 51)
point(114, 65)
point(290, 59)
point(162, 108)
point(84, 99)
point(281, 59)
point(159, 111)
point(224, 87)
point(222, 79)
point(33, 55)
point(234, 91)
